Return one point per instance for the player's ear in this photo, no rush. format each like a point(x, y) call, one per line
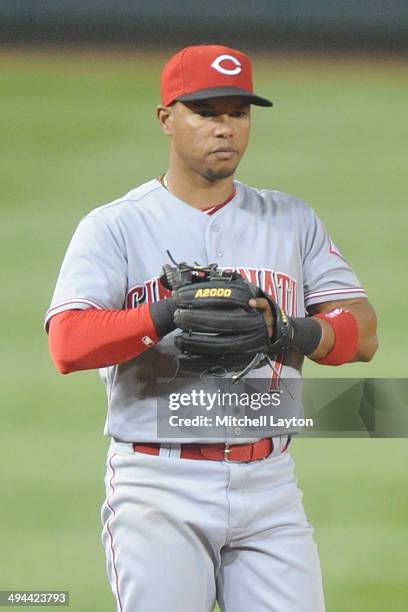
point(165, 118)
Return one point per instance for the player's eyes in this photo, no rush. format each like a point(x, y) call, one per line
point(235, 114)
point(206, 113)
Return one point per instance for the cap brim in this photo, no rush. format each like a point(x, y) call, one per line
point(221, 92)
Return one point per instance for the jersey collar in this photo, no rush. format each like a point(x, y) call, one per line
point(209, 210)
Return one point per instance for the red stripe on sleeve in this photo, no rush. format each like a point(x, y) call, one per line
point(91, 338)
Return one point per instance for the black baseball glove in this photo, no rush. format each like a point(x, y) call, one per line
point(217, 323)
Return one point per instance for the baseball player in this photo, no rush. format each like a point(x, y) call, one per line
point(189, 521)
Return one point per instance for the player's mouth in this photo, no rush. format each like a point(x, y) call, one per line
point(224, 152)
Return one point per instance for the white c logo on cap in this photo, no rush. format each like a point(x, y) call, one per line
point(231, 71)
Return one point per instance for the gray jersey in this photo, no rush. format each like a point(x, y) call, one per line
point(116, 254)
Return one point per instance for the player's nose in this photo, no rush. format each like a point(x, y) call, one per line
point(224, 126)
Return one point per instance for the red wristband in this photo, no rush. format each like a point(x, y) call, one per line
point(345, 329)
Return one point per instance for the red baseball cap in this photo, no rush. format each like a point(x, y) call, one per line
point(208, 71)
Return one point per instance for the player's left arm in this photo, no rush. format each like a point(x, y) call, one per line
point(365, 318)
point(338, 332)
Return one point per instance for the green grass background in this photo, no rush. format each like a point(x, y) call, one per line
point(79, 130)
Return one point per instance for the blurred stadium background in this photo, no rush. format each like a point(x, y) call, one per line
point(78, 88)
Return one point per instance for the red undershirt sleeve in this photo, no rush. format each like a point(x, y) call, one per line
point(92, 338)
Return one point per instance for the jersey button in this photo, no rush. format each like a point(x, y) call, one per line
point(215, 228)
point(220, 253)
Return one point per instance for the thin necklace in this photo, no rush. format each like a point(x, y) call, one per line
point(164, 182)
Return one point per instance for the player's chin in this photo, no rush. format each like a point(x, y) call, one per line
point(220, 172)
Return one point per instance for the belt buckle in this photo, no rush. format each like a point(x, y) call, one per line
point(227, 451)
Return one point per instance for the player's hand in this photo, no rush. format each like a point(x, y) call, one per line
point(263, 305)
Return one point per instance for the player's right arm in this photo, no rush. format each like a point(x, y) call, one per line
point(89, 339)
point(87, 324)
